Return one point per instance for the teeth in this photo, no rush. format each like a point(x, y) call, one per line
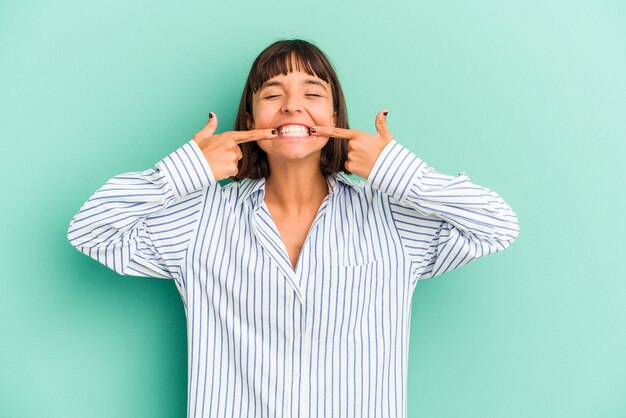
point(294, 130)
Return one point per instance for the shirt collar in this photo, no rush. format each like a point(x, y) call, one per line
point(251, 187)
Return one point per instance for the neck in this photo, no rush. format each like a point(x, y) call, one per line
point(295, 186)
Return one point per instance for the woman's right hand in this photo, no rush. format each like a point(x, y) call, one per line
point(222, 150)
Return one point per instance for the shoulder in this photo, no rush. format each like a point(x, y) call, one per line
point(355, 190)
point(355, 184)
point(237, 191)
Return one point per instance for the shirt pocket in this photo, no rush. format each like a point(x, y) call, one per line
point(347, 304)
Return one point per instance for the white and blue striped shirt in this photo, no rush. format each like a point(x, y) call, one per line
point(329, 339)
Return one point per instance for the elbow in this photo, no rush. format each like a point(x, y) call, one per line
point(514, 228)
point(76, 236)
point(511, 235)
point(69, 235)
point(508, 235)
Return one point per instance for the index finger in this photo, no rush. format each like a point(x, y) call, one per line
point(334, 132)
point(254, 135)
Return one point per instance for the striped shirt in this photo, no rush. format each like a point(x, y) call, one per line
point(329, 338)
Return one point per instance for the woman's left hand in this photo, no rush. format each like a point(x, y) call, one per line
point(363, 148)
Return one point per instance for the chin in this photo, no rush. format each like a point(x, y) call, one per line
point(294, 156)
point(292, 151)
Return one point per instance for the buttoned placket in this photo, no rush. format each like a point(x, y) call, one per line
point(302, 333)
point(302, 337)
point(267, 233)
point(298, 330)
point(301, 340)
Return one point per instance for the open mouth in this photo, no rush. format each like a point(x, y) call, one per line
point(293, 131)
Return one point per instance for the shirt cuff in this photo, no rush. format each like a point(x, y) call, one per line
point(186, 169)
point(396, 170)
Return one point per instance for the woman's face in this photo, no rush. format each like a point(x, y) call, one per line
point(292, 99)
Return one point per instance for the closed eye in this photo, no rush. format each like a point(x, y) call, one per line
point(276, 95)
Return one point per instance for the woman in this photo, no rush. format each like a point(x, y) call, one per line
point(296, 278)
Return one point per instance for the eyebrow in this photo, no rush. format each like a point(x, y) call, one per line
point(278, 83)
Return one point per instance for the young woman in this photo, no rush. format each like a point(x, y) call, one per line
point(296, 278)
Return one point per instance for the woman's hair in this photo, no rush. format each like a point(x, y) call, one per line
point(274, 60)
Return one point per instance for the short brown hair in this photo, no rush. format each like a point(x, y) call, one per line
point(274, 60)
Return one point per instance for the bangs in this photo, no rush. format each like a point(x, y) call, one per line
point(282, 62)
point(284, 57)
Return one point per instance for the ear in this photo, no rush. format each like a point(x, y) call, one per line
point(249, 121)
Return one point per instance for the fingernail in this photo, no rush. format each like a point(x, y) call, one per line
point(313, 130)
point(274, 132)
point(385, 113)
point(210, 115)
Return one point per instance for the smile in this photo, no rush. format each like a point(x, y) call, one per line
point(293, 131)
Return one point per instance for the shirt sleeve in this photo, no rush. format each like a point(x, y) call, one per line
point(139, 223)
point(444, 221)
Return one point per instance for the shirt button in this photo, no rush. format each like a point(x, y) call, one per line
point(296, 335)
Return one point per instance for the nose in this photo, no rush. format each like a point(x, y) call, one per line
point(291, 104)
